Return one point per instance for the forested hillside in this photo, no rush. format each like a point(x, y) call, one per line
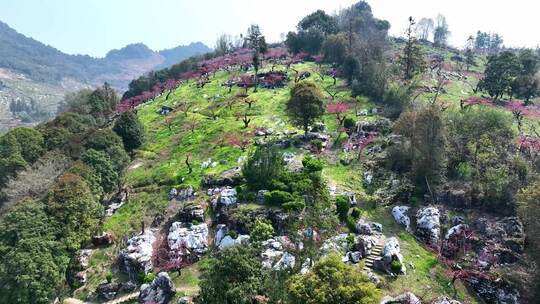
point(339, 166)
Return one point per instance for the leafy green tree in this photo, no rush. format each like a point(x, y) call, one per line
point(108, 141)
point(263, 165)
point(89, 174)
point(102, 101)
point(31, 142)
point(130, 129)
point(396, 98)
point(526, 87)
point(501, 71)
point(529, 62)
point(335, 48)
point(103, 166)
point(74, 209)
point(77, 102)
point(11, 159)
point(319, 20)
point(33, 264)
point(425, 129)
point(262, 231)
point(232, 276)
point(331, 281)
point(305, 104)
point(412, 59)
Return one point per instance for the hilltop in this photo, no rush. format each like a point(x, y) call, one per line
point(340, 166)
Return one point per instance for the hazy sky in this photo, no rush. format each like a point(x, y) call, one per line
point(95, 26)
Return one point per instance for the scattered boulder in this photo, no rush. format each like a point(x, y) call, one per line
point(116, 202)
point(336, 243)
point(445, 300)
point(160, 291)
point(184, 300)
point(455, 230)
point(400, 215)
point(428, 224)
point(128, 286)
point(137, 256)
point(374, 279)
point(228, 197)
point(259, 197)
point(406, 298)
point(367, 178)
point(107, 291)
point(84, 258)
point(391, 253)
point(364, 244)
point(182, 194)
point(367, 227)
point(352, 257)
point(274, 256)
point(193, 238)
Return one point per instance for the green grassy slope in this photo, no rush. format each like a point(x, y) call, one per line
point(160, 166)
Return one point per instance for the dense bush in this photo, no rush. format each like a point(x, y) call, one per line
point(395, 266)
point(262, 231)
point(130, 129)
point(312, 164)
point(232, 276)
point(342, 207)
point(277, 197)
point(329, 275)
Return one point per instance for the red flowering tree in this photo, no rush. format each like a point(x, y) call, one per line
point(240, 140)
point(338, 109)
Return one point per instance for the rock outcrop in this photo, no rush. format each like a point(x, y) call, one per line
point(445, 300)
point(400, 214)
point(368, 228)
point(160, 291)
point(193, 238)
point(428, 225)
point(137, 256)
point(274, 255)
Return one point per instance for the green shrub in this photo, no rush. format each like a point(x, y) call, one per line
point(312, 164)
point(148, 278)
point(108, 277)
point(395, 266)
point(296, 205)
point(351, 239)
point(349, 124)
point(342, 207)
point(250, 196)
point(276, 184)
point(277, 197)
point(355, 213)
point(262, 231)
point(232, 234)
point(351, 224)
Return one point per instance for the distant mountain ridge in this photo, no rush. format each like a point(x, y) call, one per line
point(33, 72)
point(44, 63)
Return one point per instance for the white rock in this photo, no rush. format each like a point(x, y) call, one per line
point(400, 215)
point(228, 196)
point(456, 230)
point(428, 224)
point(193, 238)
point(287, 261)
point(137, 256)
point(228, 241)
